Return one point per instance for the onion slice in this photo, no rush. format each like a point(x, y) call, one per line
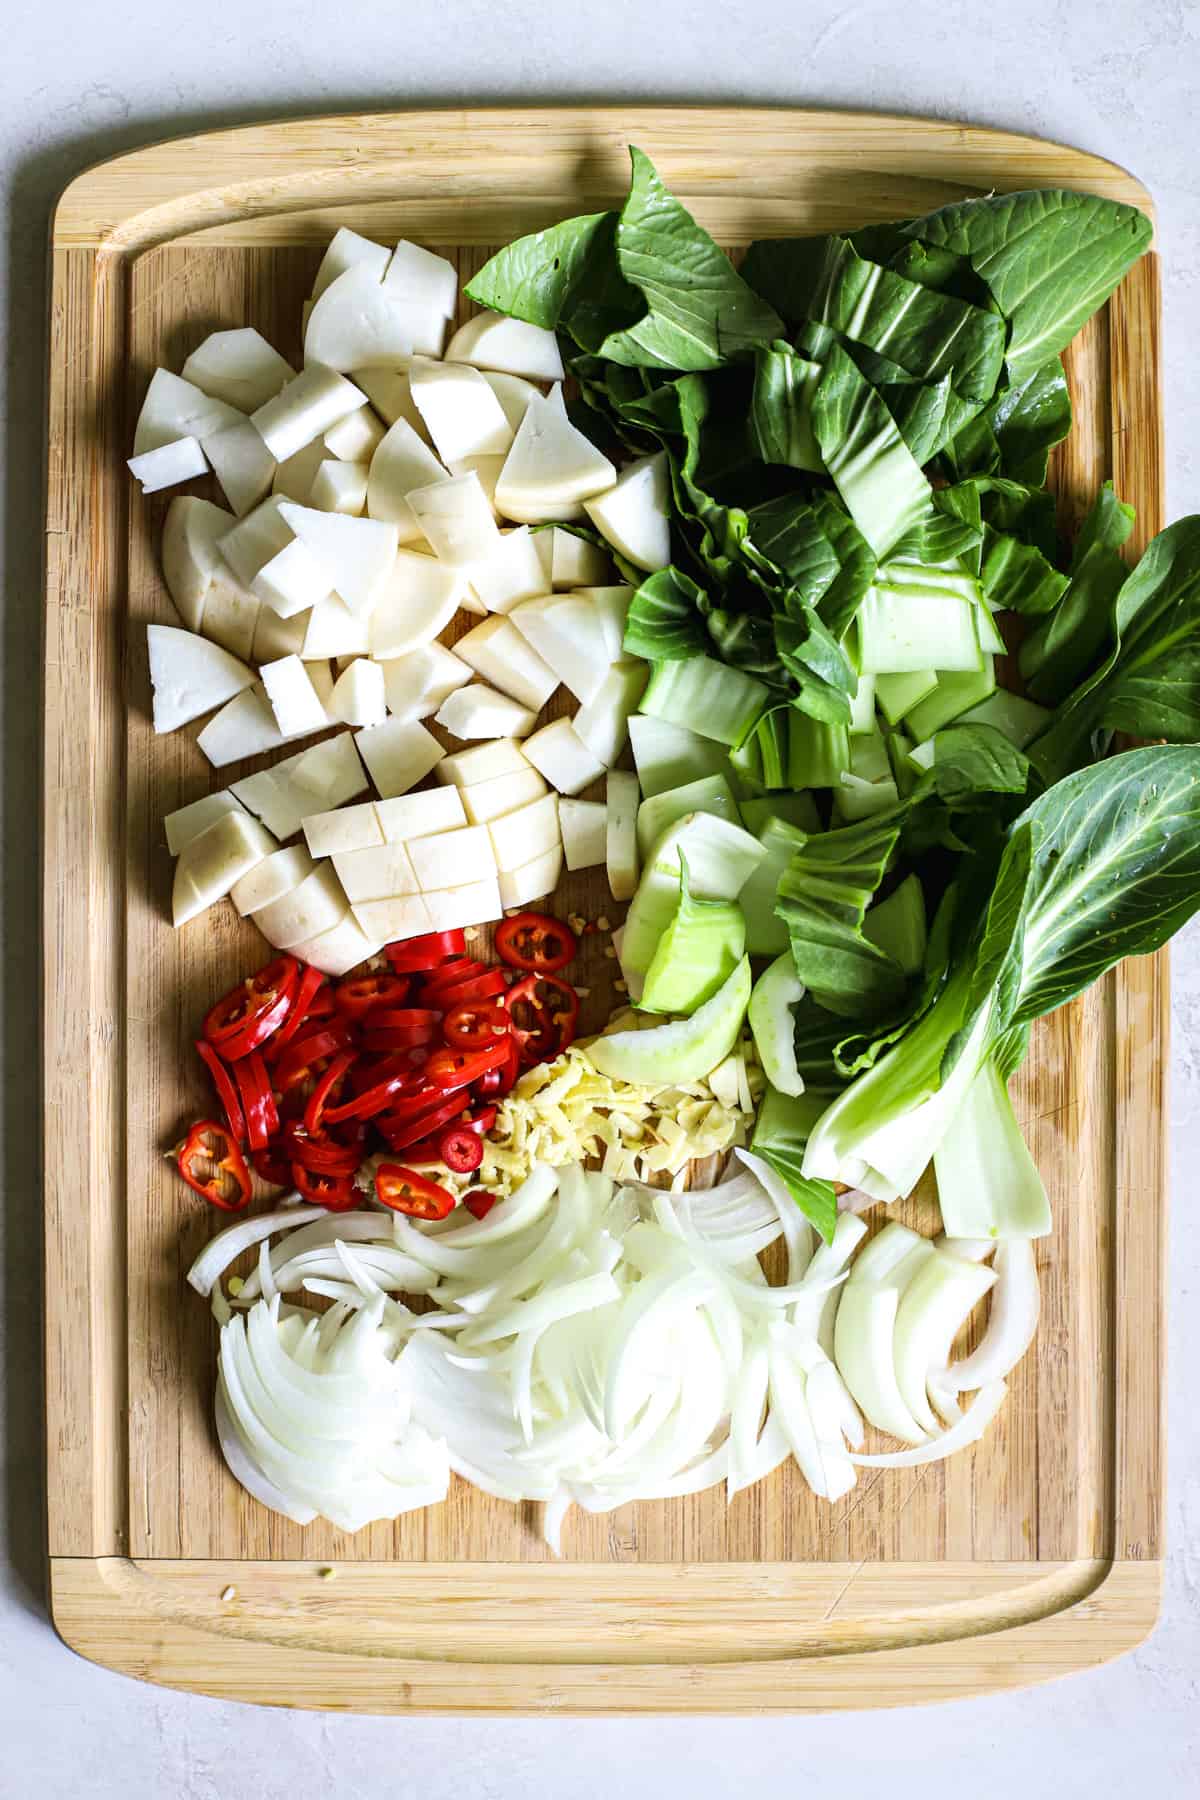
point(969, 1429)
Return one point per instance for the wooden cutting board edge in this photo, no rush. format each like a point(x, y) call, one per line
point(287, 1640)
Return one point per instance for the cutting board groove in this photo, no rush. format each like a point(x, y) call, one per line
point(1035, 1553)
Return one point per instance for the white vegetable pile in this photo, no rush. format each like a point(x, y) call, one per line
point(372, 495)
point(595, 1344)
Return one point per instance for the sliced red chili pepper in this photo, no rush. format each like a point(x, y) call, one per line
point(450, 1069)
point(479, 1202)
point(313, 1001)
point(226, 1092)
point(369, 1101)
point(248, 1015)
point(481, 1120)
point(336, 1193)
point(258, 1102)
point(308, 1054)
point(544, 1013)
point(500, 1081)
point(360, 993)
point(536, 942)
point(460, 1148)
point(328, 1088)
point(407, 1192)
point(472, 1026)
point(213, 1167)
point(410, 1127)
point(427, 952)
point(320, 1152)
point(485, 984)
point(272, 1165)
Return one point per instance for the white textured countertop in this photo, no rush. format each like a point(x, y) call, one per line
point(79, 82)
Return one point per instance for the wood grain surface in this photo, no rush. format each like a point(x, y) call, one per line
point(1018, 1546)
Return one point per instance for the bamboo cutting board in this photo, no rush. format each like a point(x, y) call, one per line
point(1037, 1553)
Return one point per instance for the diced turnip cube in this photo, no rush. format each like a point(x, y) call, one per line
point(294, 478)
point(567, 634)
point(305, 409)
point(551, 467)
point(190, 675)
point(357, 554)
point(345, 828)
point(494, 341)
point(244, 727)
point(349, 250)
point(603, 724)
point(294, 700)
point(621, 847)
point(512, 573)
point(502, 655)
point(398, 754)
point(316, 905)
point(275, 876)
point(480, 712)
point(238, 367)
point(375, 874)
point(273, 797)
point(293, 581)
point(192, 532)
point(417, 682)
point(403, 462)
point(333, 630)
point(574, 563)
point(422, 278)
point(231, 615)
point(612, 608)
point(390, 394)
point(488, 800)
point(418, 600)
point(275, 637)
point(564, 760)
point(420, 815)
point(168, 465)
point(633, 515)
point(358, 324)
point(340, 487)
point(513, 392)
point(331, 772)
point(337, 951)
point(485, 762)
point(356, 437)
point(472, 904)
point(242, 464)
point(250, 545)
point(535, 879)
point(441, 861)
point(358, 694)
point(584, 828)
point(214, 860)
point(455, 516)
point(188, 822)
point(462, 413)
point(175, 409)
point(531, 831)
point(399, 916)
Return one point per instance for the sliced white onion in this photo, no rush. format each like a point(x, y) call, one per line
point(1012, 1322)
point(798, 1233)
point(243, 1467)
point(228, 1245)
point(933, 1308)
point(968, 1430)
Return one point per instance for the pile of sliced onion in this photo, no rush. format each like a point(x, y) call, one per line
point(592, 1344)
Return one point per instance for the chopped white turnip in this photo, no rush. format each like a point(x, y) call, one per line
point(584, 828)
point(187, 822)
point(244, 727)
point(402, 463)
point(518, 837)
point(358, 324)
point(568, 634)
point(456, 517)
point(633, 515)
point(168, 465)
point(190, 676)
point(231, 615)
point(340, 487)
point(275, 637)
point(292, 582)
point(551, 467)
point(242, 465)
point(472, 904)
point(376, 873)
point(398, 754)
point(305, 409)
point(331, 772)
point(315, 906)
point(238, 367)
point(565, 761)
point(603, 724)
point(294, 700)
point(333, 630)
point(349, 250)
point(418, 600)
point(174, 409)
point(441, 861)
point(512, 573)
point(420, 815)
point(422, 278)
point(344, 829)
point(496, 650)
point(484, 762)
point(399, 916)
point(494, 341)
point(356, 554)
point(488, 800)
point(214, 860)
point(294, 478)
point(621, 848)
point(192, 532)
point(356, 437)
point(480, 712)
point(417, 682)
point(513, 392)
point(533, 880)
point(359, 697)
point(462, 413)
point(275, 876)
point(249, 545)
point(574, 562)
point(340, 949)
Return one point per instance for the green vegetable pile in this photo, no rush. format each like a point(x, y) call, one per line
point(857, 430)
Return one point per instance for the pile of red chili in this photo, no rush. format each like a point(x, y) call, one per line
point(313, 1076)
